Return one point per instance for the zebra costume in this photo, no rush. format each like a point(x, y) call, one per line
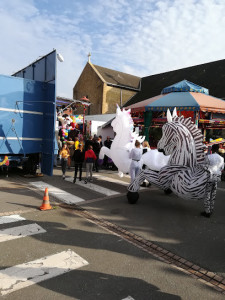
point(187, 173)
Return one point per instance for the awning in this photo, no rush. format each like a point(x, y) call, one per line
point(140, 106)
point(187, 101)
point(185, 96)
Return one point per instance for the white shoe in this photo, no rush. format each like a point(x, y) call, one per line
point(64, 176)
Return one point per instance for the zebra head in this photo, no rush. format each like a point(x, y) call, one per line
point(168, 142)
point(178, 142)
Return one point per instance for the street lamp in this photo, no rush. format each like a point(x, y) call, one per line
point(84, 104)
point(60, 57)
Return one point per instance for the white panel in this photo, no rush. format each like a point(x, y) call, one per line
point(24, 275)
point(19, 232)
point(11, 219)
point(94, 187)
point(58, 193)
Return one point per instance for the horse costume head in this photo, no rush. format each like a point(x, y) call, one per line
point(123, 122)
point(182, 140)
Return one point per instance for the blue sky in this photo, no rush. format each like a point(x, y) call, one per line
point(139, 37)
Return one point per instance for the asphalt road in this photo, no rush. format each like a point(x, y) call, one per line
point(111, 267)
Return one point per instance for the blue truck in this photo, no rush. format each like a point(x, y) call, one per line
point(28, 115)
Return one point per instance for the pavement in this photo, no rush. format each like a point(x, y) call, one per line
point(160, 220)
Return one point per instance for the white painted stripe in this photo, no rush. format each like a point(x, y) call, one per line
point(94, 187)
point(21, 111)
point(19, 232)
point(20, 138)
point(11, 219)
point(105, 178)
point(57, 193)
point(27, 274)
point(221, 189)
point(101, 177)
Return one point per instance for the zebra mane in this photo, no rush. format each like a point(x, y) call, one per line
point(197, 136)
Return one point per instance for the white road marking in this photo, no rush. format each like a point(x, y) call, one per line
point(128, 298)
point(94, 187)
point(19, 232)
point(58, 193)
point(221, 189)
point(24, 275)
point(101, 177)
point(11, 219)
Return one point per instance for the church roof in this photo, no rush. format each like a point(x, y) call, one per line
point(121, 79)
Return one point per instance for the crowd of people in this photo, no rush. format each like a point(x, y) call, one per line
point(82, 153)
point(85, 154)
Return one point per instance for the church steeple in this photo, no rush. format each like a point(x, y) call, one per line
point(89, 57)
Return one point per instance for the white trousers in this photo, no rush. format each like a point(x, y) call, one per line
point(135, 168)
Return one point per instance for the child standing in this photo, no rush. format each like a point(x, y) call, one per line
point(90, 158)
point(64, 154)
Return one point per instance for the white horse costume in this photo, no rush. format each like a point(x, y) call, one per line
point(123, 143)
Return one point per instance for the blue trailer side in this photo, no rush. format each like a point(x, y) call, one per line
point(27, 110)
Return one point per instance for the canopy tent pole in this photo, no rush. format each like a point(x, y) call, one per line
point(147, 123)
point(196, 117)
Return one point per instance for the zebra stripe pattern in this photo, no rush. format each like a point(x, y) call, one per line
point(187, 173)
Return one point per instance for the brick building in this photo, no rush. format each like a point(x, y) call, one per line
point(104, 88)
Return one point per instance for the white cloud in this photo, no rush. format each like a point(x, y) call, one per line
point(165, 36)
point(133, 36)
point(27, 34)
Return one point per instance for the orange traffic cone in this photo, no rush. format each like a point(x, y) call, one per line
point(45, 204)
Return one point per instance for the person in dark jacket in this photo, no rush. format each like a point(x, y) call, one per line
point(96, 149)
point(100, 141)
point(78, 162)
point(88, 143)
point(107, 143)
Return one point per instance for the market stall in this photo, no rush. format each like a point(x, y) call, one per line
point(191, 100)
point(70, 124)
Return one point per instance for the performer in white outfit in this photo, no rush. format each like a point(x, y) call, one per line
point(216, 162)
point(135, 165)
